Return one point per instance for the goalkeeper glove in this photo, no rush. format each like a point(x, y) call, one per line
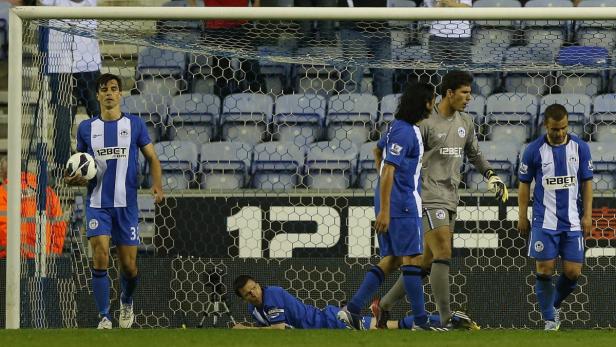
point(496, 185)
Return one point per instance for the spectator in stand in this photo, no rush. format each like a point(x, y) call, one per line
point(325, 28)
point(235, 34)
point(55, 228)
point(73, 64)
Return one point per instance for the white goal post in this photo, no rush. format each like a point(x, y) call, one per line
point(18, 14)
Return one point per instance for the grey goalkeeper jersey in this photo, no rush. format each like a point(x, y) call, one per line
point(446, 141)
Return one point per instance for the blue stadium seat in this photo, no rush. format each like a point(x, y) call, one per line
point(477, 108)
point(503, 157)
point(604, 118)
point(511, 116)
point(245, 117)
point(277, 166)
point(604, 162)
point(367, 173)
point(152, 108)
point(330, 165)
point(179, 161)
point(389, 104)
point(351, 116)
point(200, 75)
point(497, 3)
point(299, 118)
point(531, 75)
point(160, 71)
point(589, 82)
point(193, 117)
point(578, 107)
point(596, 33)
point(224, 165)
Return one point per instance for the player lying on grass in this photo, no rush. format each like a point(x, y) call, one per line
point(274, 308)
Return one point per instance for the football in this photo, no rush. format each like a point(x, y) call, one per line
point(81, 164)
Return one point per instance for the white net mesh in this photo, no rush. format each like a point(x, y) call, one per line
point(265, 133)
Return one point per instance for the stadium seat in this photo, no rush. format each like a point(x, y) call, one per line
point(317, 79)
point(147, 214)
point(527, 72)
point(245, 117)
point(152, 108)
point(496, 3)
point(193, 117)
point(511, 116)
point(299, 118)
point(503, 157)
point(160, 71)
point(179, 161)
point(495, 35)
point(351, 116)
point(596, 33)
point(274, 73)
point(485, 83)
point(389, 104)
point(590, 82)
point(224, 165)
point(546, 34)
point(604, 118)
point(330, 165)
point(367, 173)
point(604, 162)
point(277, 166)
point(578, 107)
point(200, 75)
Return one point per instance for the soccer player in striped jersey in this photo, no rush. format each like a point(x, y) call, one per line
point(561, 166)
point(275, 308)
point(397, 205)
point(114, 139)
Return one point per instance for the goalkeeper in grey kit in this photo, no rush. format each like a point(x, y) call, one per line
point(448, 134)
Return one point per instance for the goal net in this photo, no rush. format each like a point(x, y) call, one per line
point(265, 130)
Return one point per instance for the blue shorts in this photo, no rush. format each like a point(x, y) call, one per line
point(331, 321)
point(546, 244)
point(403, 238)
point(121, 223)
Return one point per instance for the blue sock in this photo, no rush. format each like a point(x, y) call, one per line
point(407, 322)
point(366, 290)
point(564, 287)
point(545, 296)
point(413, 285)
point(100, 288)
point(128, 288)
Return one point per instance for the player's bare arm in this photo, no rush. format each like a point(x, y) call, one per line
point(587, 203)
point(523, 198)
point(155, 171)
point(387, 182)
point(378, 156)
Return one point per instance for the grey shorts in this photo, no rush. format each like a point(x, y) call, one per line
point(433, 218)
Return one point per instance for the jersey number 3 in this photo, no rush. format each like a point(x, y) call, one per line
point(134, 233)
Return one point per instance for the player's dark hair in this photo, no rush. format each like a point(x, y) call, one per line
point(106, 77)
point(556, 112)
point(412, 105)
point(239, 283)
point(454, 80)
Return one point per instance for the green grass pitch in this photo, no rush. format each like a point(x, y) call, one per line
point(320, 338)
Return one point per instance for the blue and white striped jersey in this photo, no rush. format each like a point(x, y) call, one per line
point(115, 147)
point(403, 148)
point(558, 172)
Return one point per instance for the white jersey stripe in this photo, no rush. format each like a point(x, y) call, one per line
point(548, 168)
point(418, 170)
point(573, 165)
point(119, 196)
point(97, 139)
